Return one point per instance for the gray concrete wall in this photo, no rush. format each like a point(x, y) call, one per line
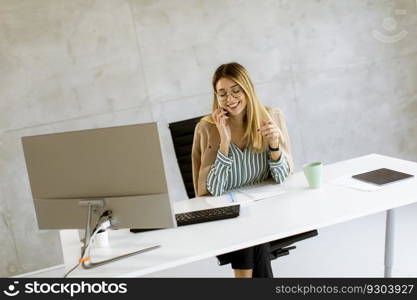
point(343, 72)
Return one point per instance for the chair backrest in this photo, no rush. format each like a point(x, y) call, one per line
point(182, 134)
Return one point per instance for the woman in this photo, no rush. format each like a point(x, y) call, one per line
point(242, 142)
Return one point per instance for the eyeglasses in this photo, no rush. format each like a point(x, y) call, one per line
point(235, 91)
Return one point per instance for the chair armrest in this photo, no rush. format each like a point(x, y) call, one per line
point(284, 242)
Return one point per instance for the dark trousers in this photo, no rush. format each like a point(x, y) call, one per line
point(257, 258)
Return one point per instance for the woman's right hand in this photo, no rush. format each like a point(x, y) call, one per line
point(220, 118)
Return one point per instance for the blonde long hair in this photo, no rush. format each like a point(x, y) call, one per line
point(255, 110)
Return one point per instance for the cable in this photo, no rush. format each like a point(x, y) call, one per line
point(97, 228)
point(106, 213)
point(76, 266)
point(85, 250)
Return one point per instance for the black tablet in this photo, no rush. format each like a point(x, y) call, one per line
point(382, 176)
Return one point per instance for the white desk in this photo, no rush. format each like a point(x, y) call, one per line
point(298, 210)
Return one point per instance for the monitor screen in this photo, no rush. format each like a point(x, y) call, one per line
point(123, 165)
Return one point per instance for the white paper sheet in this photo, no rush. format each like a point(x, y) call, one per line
point(262, 191)
point(225, 200)
point(348, 181)
point(246, 195)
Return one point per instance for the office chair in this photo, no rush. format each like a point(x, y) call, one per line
point(182, 133)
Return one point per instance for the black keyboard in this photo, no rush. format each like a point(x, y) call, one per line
point(207, 215)
point(200, 216)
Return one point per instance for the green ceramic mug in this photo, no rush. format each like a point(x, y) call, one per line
point(313, 172)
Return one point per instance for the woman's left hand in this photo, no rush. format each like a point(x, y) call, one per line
point(271, 131)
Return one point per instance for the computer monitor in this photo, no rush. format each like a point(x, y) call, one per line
point(121, 168)
point(122, 165)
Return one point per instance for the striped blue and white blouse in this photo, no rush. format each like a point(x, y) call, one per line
point(241, 168)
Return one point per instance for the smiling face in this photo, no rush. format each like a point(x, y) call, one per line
point(231, 97)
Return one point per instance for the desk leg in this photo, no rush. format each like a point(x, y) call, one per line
point(389, 242)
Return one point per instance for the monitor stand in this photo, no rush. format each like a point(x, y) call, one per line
point(86, 261)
